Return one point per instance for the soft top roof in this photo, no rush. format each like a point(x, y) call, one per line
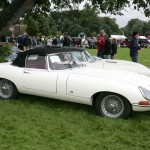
point(45, 50)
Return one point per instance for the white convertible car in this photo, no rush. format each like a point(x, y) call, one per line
point(54, 73)
point(95, 62)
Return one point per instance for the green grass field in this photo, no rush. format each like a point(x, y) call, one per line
point(36, 123)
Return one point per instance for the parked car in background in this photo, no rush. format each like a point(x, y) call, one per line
point(92, 43)
point(143, 43)
point(76, 41)
point(108, 64)
point(85, 58)
point(55, 73)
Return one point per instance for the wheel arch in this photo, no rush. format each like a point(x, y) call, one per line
point(106, 92)
point(10, 81)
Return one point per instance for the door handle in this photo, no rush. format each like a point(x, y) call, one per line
point(27, 72)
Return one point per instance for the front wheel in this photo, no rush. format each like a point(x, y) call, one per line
point(112, 106)
point(8, 90)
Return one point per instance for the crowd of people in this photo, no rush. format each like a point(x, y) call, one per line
point(25, 42)
point(107, 49)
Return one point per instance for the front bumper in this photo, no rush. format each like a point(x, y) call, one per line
point(137, 107)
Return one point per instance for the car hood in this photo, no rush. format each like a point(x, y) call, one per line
point(123, 65)
point(117, 75)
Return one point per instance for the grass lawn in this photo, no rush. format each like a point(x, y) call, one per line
point(36, 123)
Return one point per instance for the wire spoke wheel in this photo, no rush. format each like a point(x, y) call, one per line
point(6, 89)
point(112, 106)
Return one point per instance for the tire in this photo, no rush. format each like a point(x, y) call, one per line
point(113, 106)
point(8, 90)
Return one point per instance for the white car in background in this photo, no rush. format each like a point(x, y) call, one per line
point(109, 64)
point(85, 58)
point(54, 73)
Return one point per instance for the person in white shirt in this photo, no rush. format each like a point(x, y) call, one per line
point(49, 41)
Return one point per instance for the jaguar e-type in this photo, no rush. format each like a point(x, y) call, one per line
point(54, 73)
point(108, 64)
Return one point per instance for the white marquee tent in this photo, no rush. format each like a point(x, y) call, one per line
point(118, 37)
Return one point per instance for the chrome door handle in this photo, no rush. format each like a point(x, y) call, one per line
point(27, 72)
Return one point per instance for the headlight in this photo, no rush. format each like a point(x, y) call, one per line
point(145, 93)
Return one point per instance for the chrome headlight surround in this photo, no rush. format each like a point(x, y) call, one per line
point(145, 93)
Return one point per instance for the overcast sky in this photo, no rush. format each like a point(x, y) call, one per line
point(128, 15)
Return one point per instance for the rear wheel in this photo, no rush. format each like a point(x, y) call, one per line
point(112, 105)
point(8, 90)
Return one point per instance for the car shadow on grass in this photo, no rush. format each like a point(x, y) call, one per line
point(55, 104)
point(140, 115)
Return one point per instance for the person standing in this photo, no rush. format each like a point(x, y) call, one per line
point(54, 42)
point(100, 43)
point(26, 42)
point(12, 39)
point(134, 47)
point(113, 49)
point(3, 38)
point(107, 48)
point(66, 40)
point(49, 41)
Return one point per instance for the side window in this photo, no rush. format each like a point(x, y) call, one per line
point(36, 61)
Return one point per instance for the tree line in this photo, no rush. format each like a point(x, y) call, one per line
point(12, 10)
point(76, 21)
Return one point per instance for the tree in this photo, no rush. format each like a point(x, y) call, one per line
point(125, 31)
point(52, 25)
point(45, 27)
point(146, 28)
point(32, 27)
point(65, 24)
point(134, 25)
point(14, 9)
point(43, 23)
point(75, 30)
point(87, 32)
point(109, 25)
point(89, 19)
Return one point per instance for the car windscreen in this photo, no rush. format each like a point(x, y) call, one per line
point(83, 56)
point(89, 57)
point(78, 55)
point(62, 61)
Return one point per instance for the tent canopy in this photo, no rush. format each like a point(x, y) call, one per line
point(142, 37)
point(118, 37)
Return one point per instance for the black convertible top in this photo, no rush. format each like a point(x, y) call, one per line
point(20, 59)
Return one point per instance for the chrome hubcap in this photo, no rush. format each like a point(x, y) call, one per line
point(6, 88)
point(112, 106)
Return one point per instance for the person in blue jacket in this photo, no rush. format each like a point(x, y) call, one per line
point(134, 47)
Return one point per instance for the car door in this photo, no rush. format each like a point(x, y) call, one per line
point(36, 76)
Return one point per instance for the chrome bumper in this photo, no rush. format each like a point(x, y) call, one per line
point(137, 107)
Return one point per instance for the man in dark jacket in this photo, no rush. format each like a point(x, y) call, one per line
point(107, 48)
point(113, 48)
point(26, 42)
point(134, 47)
point(66, 40)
